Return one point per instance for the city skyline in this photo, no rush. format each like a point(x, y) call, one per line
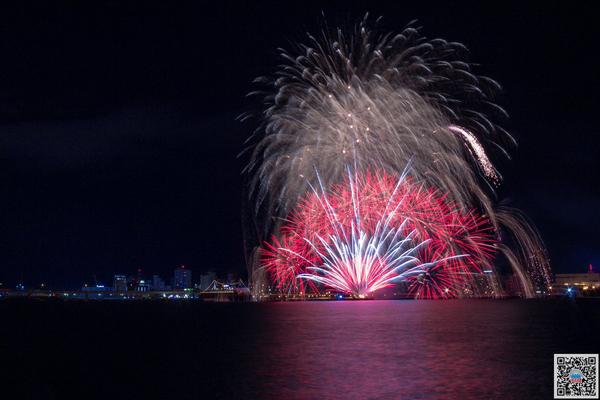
point(155, 281)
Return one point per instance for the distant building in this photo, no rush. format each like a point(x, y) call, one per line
point(182, 278)
point(96, 288)
point(158, 283)
point(589, 280)
point(586, 284)
point(206, 279)
point(143, 286)
point(133, 282)
point(120, 283)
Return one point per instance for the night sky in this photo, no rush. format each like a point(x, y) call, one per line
point(118, 138)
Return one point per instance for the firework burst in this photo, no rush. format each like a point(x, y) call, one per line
point(373, 230)
point(379, 102)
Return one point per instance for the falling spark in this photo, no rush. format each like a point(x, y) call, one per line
point(477, 148)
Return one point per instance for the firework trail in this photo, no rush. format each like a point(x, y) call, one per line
point(378, 102)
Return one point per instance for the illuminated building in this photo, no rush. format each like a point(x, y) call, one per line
point(206, 279)
point(143, 286)
point(587, 279)
point(96, 288)
point(580, 282)
point(133, 281)
point(182, 278)
point(120, 283)
point(158, 283)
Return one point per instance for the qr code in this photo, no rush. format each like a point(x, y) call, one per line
point(576, 376)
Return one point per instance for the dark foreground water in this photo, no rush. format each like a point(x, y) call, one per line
point(311, 350)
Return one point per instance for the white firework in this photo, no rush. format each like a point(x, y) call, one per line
point(380, 101)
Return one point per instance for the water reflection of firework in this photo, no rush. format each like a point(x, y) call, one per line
point(378, 102)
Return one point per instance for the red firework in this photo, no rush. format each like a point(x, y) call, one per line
point(459, 243)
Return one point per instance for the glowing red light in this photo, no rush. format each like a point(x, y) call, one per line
point(459, 242)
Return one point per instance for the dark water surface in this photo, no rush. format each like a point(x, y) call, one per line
point(479, 349)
